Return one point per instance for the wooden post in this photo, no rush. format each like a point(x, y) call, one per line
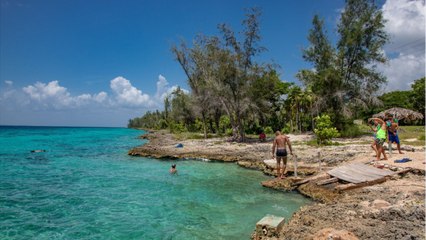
point(319, 161)
point(295, 165)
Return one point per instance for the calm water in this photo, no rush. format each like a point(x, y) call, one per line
point(85, 186)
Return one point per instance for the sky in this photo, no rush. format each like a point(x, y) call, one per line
point(103, 62)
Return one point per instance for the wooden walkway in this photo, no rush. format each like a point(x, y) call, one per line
point(359, 173)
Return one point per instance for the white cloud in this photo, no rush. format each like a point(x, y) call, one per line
point(406, 50)
point(40, 91)
point(162, 84)
point(128, 95)
point(100, 97)
point(58, 97)
point(163, 89)
point(52, 95)
point(405, 23)
point(402, 71)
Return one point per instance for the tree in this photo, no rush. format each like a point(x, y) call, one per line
point(196, 63)
point(237, 70)
point(181, 111)
point(362, 37)
point(418, 95)
point(345, 77)
point(223, 71)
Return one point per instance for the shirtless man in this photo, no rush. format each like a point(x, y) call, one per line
point(280, 143)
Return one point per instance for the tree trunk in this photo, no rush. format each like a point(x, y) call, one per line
point(204, 124)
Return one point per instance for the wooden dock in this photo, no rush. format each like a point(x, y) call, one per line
point(359, 173)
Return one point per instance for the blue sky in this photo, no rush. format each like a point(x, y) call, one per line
point(100, 63)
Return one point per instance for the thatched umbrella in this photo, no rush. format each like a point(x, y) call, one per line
point(400, 113)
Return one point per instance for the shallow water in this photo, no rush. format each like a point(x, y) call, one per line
point(85, 186)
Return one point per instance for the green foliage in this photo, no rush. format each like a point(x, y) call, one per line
point(345, 78)
point(224, 123)
point(397, 99)
point(228, 132)
point(351, 131)
point(286, 129)
point(418, 96)
point(324, 130)
point(177, 127)
point(268, 130)
point(150, 120)
point(198, 125)
point(162, 124)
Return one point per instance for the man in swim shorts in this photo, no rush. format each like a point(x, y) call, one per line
point(393, 126)
point(279, 151)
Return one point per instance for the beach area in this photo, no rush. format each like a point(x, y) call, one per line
point(392, 208)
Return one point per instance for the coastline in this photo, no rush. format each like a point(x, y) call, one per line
point(393, 209)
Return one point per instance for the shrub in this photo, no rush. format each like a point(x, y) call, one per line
point(351, 130)
point(324, 129)
point(224, 124)
point(162, 124)
point(177, 128)
point(286, 129)
point(228, 132)
point(268, 130)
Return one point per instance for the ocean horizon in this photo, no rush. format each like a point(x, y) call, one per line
point(79, 183)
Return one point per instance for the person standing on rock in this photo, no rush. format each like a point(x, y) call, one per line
point(279, 151)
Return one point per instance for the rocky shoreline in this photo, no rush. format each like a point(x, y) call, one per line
point(394, 209)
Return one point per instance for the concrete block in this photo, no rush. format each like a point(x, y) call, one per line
point(269, 226)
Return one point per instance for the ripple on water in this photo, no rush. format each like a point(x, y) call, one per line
point(86, 187)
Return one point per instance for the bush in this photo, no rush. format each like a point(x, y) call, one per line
point(324, 130)
point(286, 129)
point(351, 130)
point(177, 128)
point(268, 130)
point(162, 124)
point(228, 132)
point(224, 124)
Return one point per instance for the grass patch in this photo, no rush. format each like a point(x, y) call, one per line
point(409, 132)
point(352, 131)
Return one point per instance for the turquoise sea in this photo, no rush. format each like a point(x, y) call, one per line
point(85, 186)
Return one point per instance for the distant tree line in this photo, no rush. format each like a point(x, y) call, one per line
point(233, 93)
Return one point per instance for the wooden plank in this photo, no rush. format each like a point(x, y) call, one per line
point(327, 181)
point(358, 173)
point(316, 177)
point(350, 186)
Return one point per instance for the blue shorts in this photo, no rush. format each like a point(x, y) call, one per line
point(393, 138)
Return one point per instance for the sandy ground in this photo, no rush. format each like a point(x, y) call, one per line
point(394, 209)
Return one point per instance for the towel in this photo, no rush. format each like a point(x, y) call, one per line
point(403, 160)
